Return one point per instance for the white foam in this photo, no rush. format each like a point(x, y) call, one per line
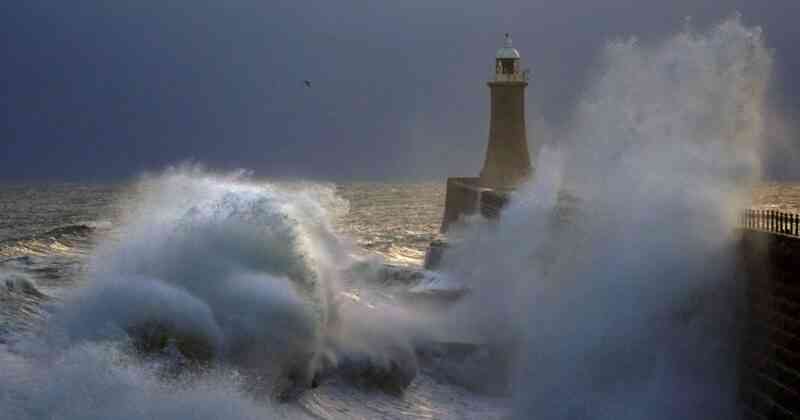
point(618, 304)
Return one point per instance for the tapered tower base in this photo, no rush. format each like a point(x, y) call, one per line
point(507, 163)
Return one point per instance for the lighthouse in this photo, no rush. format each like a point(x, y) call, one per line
point(507, 161)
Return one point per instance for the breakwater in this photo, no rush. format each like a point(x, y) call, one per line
point(768, 267)
point(769, 252)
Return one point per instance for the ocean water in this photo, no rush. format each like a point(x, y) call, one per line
point(395, 221)
point(52, 236)
point(49, 233)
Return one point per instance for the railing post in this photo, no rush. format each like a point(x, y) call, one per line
point(771, 221)
point(784, 218)
point(759, 219)
point(783, 222)
point(768, 220)
point(797, 225)
point(793, 224)
point(774, 220)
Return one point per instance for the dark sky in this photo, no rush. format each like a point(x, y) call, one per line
point(100, 90)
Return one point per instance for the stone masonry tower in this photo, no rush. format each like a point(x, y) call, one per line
point(507, 161)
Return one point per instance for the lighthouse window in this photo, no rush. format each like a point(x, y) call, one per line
point(508, 66)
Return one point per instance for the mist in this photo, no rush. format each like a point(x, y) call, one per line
point(611, 274)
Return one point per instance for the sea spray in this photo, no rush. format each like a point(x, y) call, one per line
point(241, 269)
point(215, 288)
point(616, 301)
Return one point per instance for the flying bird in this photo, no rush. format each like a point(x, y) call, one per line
point(307, 83)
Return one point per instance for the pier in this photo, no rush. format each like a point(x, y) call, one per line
point(769, 263)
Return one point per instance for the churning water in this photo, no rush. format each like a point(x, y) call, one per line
point(605, 291)
point(250, 270)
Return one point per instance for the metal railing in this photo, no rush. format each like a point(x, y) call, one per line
point(510, 77)
point(771, 221)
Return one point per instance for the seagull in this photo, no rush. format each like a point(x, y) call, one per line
point(307, 83)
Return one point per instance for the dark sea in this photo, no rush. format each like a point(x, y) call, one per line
point(51, 237)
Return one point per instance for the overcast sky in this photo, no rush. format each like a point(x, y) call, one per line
point(102, 90)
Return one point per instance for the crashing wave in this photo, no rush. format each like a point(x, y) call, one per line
point(219, 272)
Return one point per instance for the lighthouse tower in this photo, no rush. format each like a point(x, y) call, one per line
point(507, 161)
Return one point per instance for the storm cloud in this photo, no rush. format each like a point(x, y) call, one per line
point(96, 90)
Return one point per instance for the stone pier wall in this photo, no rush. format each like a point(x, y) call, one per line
point(768, 267)
point(461, 199)
point(770, 374)
point(465, 197)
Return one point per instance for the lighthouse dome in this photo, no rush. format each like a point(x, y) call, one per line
point(508, 51)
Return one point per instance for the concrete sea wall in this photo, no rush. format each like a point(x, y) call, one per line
point(464, 198)
point(768, 267)
point(770, 370)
